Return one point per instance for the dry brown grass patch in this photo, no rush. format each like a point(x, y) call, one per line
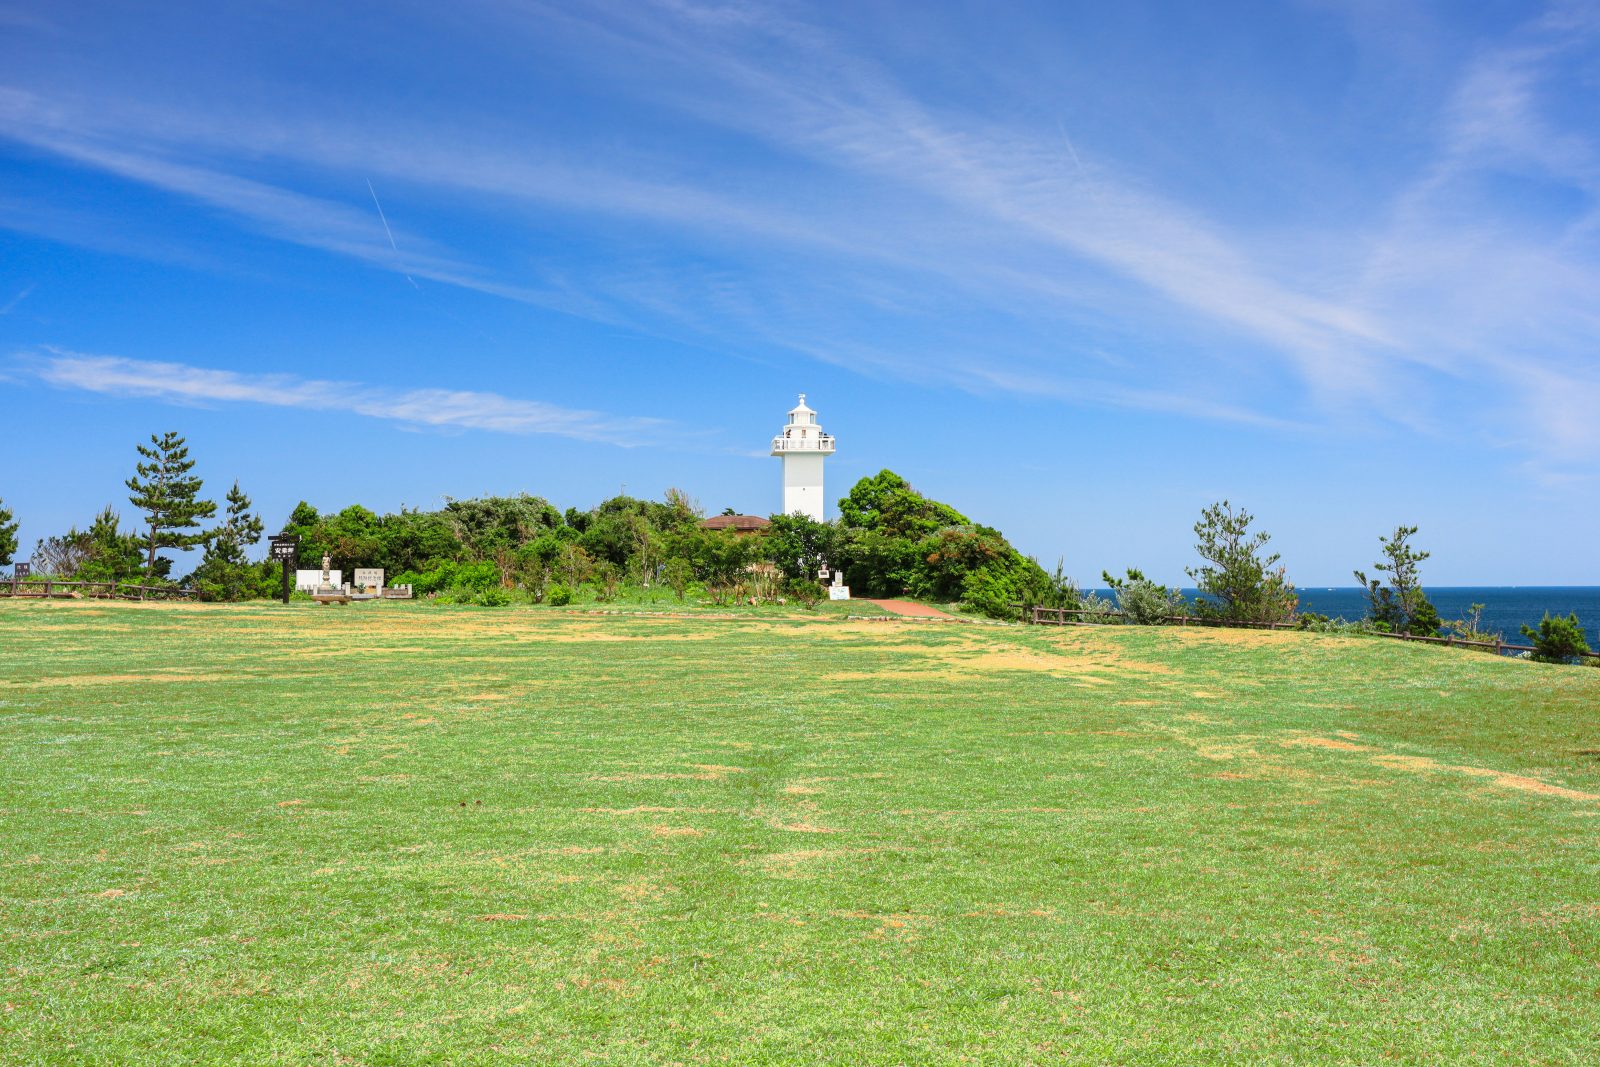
point(703, 772)
point(1324, 742)
point(74, 680)
point(1500, 779)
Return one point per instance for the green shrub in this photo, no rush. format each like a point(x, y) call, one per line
point(1097, 609)
point(558, 595)
point(808, 593)
point(426, 583)
point(1557, 640)
point(448, 575)
point(1312, 622)
point(607, 579)
point(1424, 620)
point(990, 593)
point(477, 577)
point(492, 598)
point(1142, 601)
point(1470, 628)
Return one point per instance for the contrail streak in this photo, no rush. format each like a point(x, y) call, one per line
point(385, 220)
point(10, 305)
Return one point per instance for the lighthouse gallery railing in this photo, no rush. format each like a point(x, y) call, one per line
point(820, 443)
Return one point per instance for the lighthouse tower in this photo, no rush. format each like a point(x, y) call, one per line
point(803, 446)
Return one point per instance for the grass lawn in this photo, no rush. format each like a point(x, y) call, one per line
point(399, 834)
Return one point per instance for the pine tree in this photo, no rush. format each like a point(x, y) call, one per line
point(1402, 606)
point(239, 530)
point(169, 496)
point(1245, 584)
point(113, 555)
point(8, 535)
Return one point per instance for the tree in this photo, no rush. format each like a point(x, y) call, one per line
point(878, 563)
point(1557, 640)
point(102, 553)
point(719, 558)
point(226, 572)
point(684, 504)
point(677, 574)
point(62, 555)
point(1050, 589)
point(8, 535)
point(239, 530)
point(951, 556)
point(113, 555)
point(799, 545)
point(169, 496)
point(1401, 606)
point(887, 503)
point(487, 525)
point(1470, 626)
point(893, 541)
point(1241, 582)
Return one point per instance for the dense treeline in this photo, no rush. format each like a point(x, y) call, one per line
point(889, 540)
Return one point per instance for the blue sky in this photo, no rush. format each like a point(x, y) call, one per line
point(1076, 269)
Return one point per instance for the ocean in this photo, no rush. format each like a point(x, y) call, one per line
point(1506, 607)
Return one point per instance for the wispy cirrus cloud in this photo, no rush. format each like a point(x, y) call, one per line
point(913, 216)
point(458, 409)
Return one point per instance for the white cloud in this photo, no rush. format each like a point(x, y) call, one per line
point(930, 210)
point(180, 383)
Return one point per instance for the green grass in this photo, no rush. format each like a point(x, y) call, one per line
point(397, 834)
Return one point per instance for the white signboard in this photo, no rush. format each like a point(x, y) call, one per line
point(838, 592)
point(370, 577)
point(309, 581)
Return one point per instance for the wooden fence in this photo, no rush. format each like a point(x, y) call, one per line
point(51, 587)
point(1040, 616)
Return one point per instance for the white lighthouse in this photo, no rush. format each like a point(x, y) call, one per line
point(803, 446)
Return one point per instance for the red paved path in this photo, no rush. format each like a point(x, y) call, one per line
point(911, 607)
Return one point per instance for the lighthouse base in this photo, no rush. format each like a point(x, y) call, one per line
point(802, 486)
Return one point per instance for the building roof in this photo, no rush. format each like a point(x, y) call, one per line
point(737, 523)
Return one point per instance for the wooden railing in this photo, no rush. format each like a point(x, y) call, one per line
point(52, 587)
point(1041, 616)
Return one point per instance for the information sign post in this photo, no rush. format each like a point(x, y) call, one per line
point(285, 547)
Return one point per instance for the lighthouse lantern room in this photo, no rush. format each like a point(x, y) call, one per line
point(803, 446)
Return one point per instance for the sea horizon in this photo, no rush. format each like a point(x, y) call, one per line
point(1507, 608)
